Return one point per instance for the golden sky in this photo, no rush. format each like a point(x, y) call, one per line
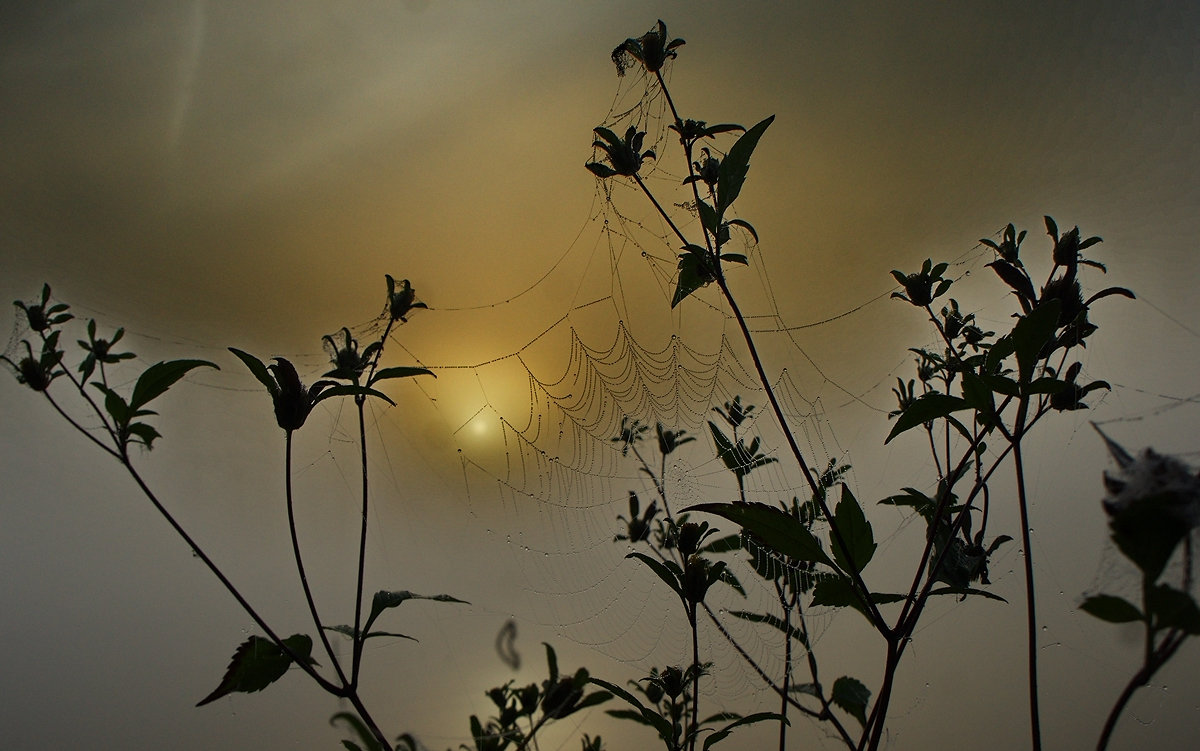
point(215, 173)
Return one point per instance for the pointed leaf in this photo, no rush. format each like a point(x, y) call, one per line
point(349, 390)
point(691, 277)
point(852, 696)
point(159, 377)
point(1031, 334)
point(773, 621)
point(385, 599)
point(663, 572)
point(258, 663)
point(257, 369)
point(855, 530)
point(733, 169)
point(926, 409)
point(964, 591)
point(644, 715)
point(777, 530)
point(1111, 608)
point(402, 372)
point(744, 225)
point(839, 592)
point(724, 732)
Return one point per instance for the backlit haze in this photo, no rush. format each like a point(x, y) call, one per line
point(213, 174)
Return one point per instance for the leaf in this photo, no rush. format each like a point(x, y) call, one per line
point(691, 277)
point(852, 696)
point(1015, 278)
point(1031, 334)
point(744, 225)
point(345, 630)
point(1148, 532)
point(724, 732)
point(773, 621)
point(1111, 608)
point(643, 715)
point(777, 530)
point(402, 372)
point(964, 591)
point(385, 599)
point(839, 592)
point(725, 544)
point(257, 369)
point(708, 217)
point(600, 170)
point(663, 572)
point(1173, 608)
point(146, 434)
point(855, 530)
point(733, 169)
point(157, 378)
point(258, 663)
point(349, 390)
point(925, 409)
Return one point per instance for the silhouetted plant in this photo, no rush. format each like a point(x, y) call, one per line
point(123, 415)
point(1153, 506)
point(979, 387)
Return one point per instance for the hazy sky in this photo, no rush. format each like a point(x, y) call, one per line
point(213, 174)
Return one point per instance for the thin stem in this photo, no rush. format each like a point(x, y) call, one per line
point(695, 676)
point(356, 658)
point(199, 553)
point(312, 605)
point(86, 434)
point(666, 217)
point(875, 722)
point(787, 663)
point(1166, 650)
point(861, 591)
point(1030, 600)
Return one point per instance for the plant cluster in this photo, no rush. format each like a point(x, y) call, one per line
point(975, 397)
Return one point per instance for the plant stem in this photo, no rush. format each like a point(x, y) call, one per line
point(861, 591)
point(359, 639)
point(1030, 597)
point(199, 553)
point(1159, 657)
point(695, 676)
point(312, 605)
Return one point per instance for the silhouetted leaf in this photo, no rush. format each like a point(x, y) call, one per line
point(1111, 608)
point(258, 663)
point(855, 530)
point(1031, 334)
point(345, 630)
point(773, 621)
point(157, 378)
point(778, 531)
point(839, 592)
point(736, 165)
point(744, 225)
point(964, 591)
point(257, 369)
point(724, 732)
point(642, 715)
point(852, 696)
point(1148, 532)
point(692, 276)
point(348, 390)
point(1172, 608)
point(385, 599)
point(403, 372)
point(664, 573)
point(1016, 279)
point(925, 409)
